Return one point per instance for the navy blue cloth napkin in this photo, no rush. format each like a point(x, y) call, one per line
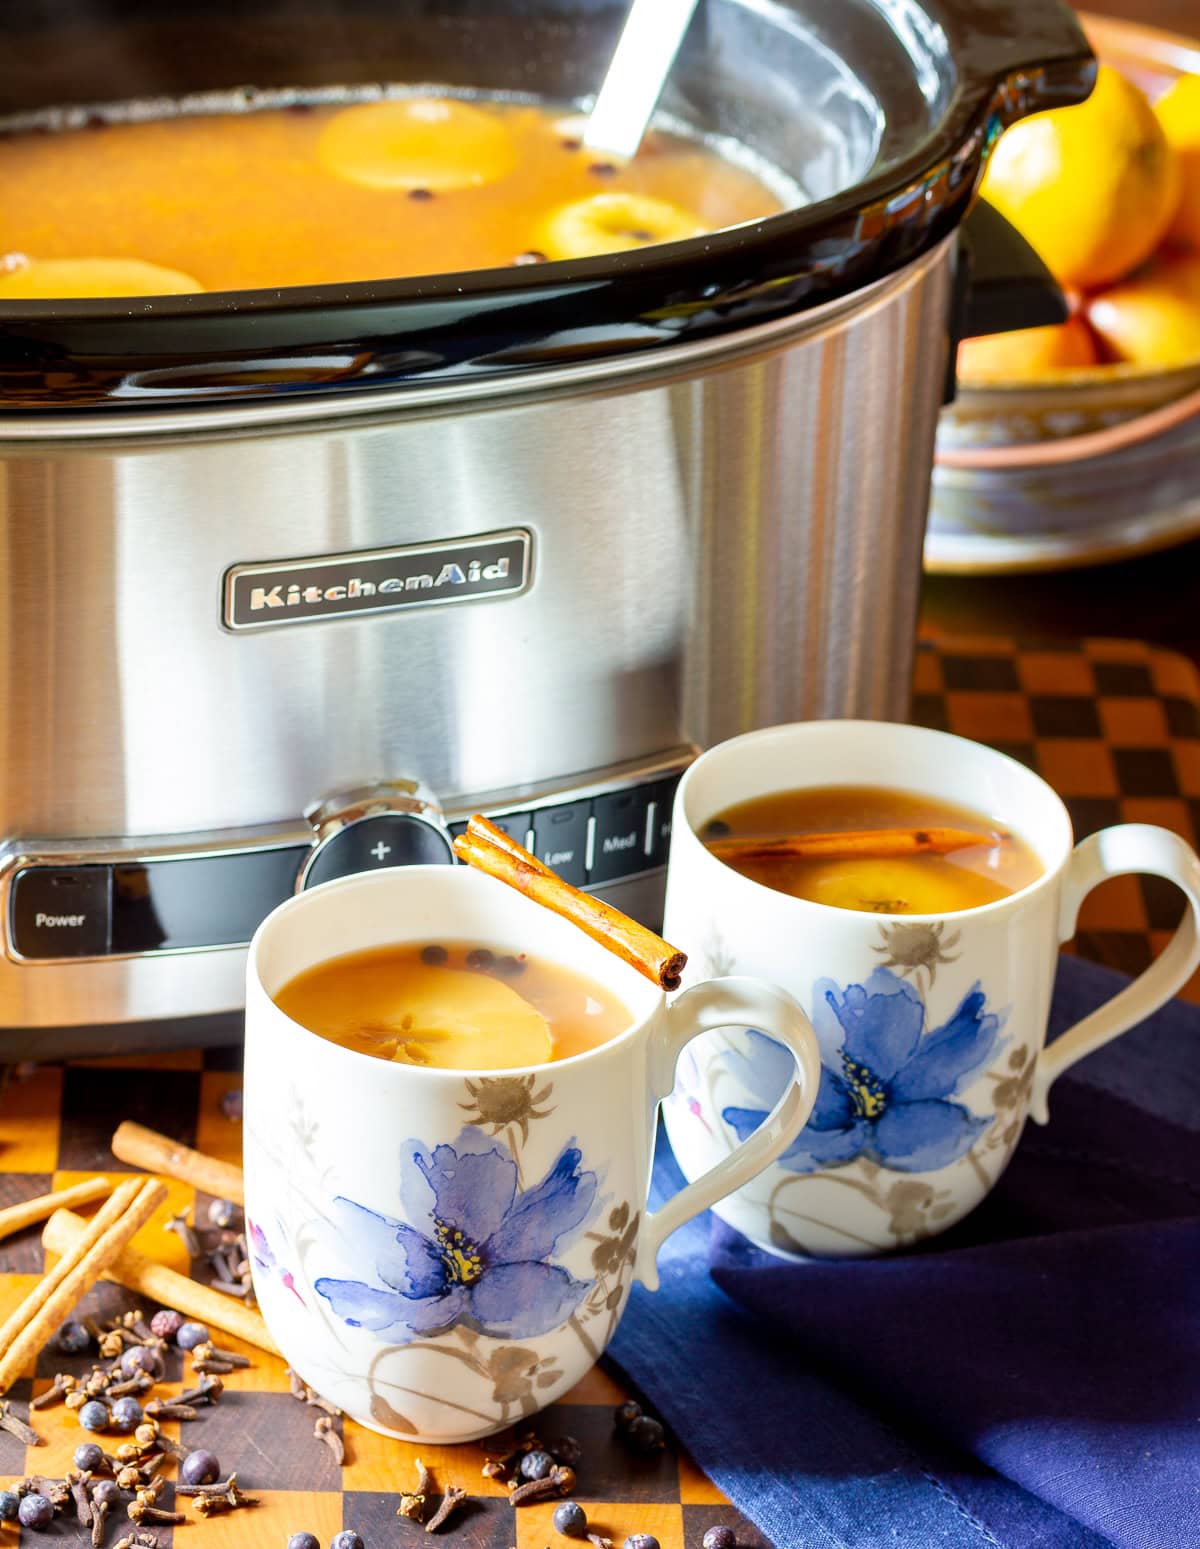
point(1031, 1378)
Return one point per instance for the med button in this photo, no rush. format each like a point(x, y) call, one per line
point(620, 843)
point(560, 840)
point(59, 912)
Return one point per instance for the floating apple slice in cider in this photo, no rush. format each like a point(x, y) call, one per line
point(454, 1019)
point(433, 143)
point(62, 279)
point(613, 223)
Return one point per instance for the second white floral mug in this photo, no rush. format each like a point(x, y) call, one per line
point(932, 1030)
point(442, 1253)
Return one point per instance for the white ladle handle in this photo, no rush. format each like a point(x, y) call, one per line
point(653, 33)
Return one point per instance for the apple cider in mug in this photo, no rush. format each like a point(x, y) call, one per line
point(453, 1006)
point(872, 849)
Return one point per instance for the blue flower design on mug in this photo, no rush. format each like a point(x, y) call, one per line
point(887, 1085)
point(478, 1249)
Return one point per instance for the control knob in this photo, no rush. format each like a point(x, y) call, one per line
point(394, 823)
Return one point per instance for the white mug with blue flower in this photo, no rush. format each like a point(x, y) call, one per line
point(931, 1030)
point(442, 1252)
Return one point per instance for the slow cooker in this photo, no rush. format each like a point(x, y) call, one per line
point(297, 579)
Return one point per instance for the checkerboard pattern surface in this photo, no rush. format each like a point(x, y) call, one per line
point(1113, 726)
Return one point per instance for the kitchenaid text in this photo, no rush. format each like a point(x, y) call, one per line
point(335, 585)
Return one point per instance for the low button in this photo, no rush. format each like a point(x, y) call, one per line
point(620, 843)
point(560, 840)
point(59, 912)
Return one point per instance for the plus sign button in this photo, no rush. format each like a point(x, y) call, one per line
point(391, 839)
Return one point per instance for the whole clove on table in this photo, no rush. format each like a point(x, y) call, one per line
point(78, 1485)
point(139, 1511)
point(11, 1422)
point(450, 1501)
point(207, 1351)
point(413, 1503)
point(56, 1393)
point(100, 1511)
point(210, 1504)
point(325, 1430)
point(559, 1481)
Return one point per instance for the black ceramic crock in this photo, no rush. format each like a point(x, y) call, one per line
point(884, 109)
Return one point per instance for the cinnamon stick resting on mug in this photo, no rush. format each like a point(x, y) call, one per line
point(852, 844)
point(488, 849)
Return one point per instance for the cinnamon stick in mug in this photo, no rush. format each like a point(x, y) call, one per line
point(863, 844)
point(488, 849)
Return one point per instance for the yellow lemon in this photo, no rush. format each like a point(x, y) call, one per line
point(435, 143)
point(612, 223)
point(1178, 111)
point(1093, 187)
point(1027, 354)
point(61, 279)
point(1153, 317)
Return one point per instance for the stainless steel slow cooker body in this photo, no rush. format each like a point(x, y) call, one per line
point(532, 552)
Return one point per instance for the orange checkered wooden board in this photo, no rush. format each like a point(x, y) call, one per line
point(1114, 726)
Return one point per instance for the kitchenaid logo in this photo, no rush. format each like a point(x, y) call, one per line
point(336, 585)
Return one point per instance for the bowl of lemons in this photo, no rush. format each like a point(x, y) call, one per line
point(1080, 442)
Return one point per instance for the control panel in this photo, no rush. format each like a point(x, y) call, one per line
point(69, 903)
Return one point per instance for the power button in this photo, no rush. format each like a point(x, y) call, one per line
point(60, 911)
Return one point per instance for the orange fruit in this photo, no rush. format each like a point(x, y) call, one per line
point(417, 142)
point(1153, 318)
point(38, 279)
point(1178, 111)
point(1093, 187)
point(1028, 353)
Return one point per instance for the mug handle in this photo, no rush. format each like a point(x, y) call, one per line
point(705, 1007)
point(1117, 852)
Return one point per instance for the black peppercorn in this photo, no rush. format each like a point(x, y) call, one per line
point(644, 1435)
point(536, 1464)
point(566, 1450)
point(570, 1519)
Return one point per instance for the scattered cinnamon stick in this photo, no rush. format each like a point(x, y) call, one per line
point(155, 1153)
point(14, 1218)
point(489, 850)
point(159, 1284)
point(86, 1263)
point(121, 1198)
point(853, 844)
